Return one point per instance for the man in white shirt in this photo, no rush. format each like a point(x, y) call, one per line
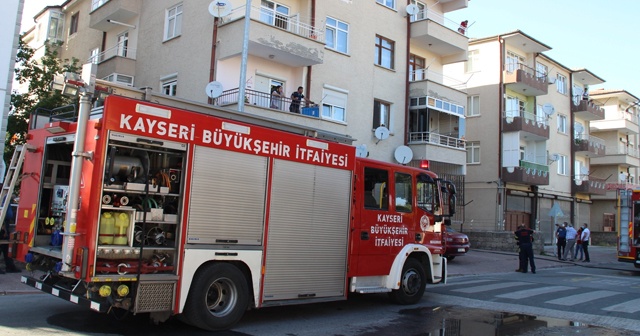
point(586, 234)
point(571, 242)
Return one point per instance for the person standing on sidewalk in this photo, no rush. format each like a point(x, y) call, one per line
point(579, 245)
point(524, 237)
point(9, 265)
point(571, 242)
point(561, 241)
point(586, 234)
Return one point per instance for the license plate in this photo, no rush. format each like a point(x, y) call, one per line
point(460, 250)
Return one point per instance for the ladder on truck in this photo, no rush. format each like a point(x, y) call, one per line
point(10, 180)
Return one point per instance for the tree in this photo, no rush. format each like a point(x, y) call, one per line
point(38, 73)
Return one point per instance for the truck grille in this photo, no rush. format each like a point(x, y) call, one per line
point(154, 297)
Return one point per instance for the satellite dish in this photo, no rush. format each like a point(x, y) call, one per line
point(552, 80)
point(509, 120)
point(622, 177)
point(579, 128)
point(578, 181)
point(214, 89)
point(220, 8)
point(584, 170)
point(554, 157)
point(361, 151)
point(412, 9)
point(511, 169)
point(381, 133)
point(403, 154)
point(548, 109)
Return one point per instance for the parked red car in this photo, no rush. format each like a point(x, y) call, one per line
point(457, 243)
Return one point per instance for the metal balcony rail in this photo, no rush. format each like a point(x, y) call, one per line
point(593, 181)
point(437, 139)
point(258, 98)
point(294, 24)
point(436, 17)
point(512, 67)
point(436, 77)
point(533, 167)
point(119, 49)
point(622, 150)
point(530, 117)
point(593, 141)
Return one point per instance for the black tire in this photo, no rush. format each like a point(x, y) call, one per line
point(412, 283)
point(218, 297)
point(450, 257)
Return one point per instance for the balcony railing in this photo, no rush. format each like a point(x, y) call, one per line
point(535, 167)
point(294, 24)
point(260, 99)
point(428, 14)
point(512, 67)
point(119, 49)
point(437, 139)
point(622, 150)
point(541, 120)
point(436, 77)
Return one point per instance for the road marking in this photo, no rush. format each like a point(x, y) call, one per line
point(582, 298)
point(467, 282)
point(632, 306)
point(534, 291)
point(478, 289)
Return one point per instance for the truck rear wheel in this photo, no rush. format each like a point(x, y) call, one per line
point(412, 283)
point(218, 297)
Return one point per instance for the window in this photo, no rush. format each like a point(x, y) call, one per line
point(384, 52)
point(473, 151)
point(473, 106)
point(123, 44)
point(515, 107)
point(428, 196)
point(416, 68)
point(562, 124)
point(173, 22)
point(169, 85)
point(274, 14)
point(513, 61)
point(388, 3)
point(562, 165)
point(541, 71)
point(381, 112)
point(94, 56)
point(422, 11)
point(118, 78)
point(95, 4)
point(473, 61)
point(403, 187)
point(334, 103)
point(337, 35)
point(561, 84)
point(73, 28)
point(56, 26)
point(376, 194)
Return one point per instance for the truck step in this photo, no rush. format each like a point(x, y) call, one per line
point(366, 290)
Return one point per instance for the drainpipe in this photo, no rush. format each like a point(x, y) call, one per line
point(503, 192)
point(572, 171)
point(212, 63)
point(245, 55)
point(308, 79)
point(407, 83)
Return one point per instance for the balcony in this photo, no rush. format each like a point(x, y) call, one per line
point(114, 10)
point(528, 173)
point(287, 40)
point(431, 30)
point(118, 59)
point(621, 155)
point(589, 185)
point(589, 146)
point(525, 80)
point(587, 110)
point(534, 127)
point(625, 123)
point(435, 146)
point(448, 85)
point(229, 98)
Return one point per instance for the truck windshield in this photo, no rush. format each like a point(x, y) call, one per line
point(428, 195)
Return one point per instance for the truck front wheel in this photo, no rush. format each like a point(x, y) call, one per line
point(218, 297)
point(412, 283)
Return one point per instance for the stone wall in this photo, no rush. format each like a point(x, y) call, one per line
point(500, 241)
point(601, 238)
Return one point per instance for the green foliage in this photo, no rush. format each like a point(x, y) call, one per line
point(37, 73)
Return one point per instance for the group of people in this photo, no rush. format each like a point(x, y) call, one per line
point(567, 237)
point(570, 242)
point(277, 96)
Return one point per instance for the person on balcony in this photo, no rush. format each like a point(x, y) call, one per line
point(296, 100)
point(276, 97)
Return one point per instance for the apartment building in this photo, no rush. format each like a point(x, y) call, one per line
point(364, 66)
point(529, 142)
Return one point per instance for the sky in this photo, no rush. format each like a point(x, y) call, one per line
point(591, 34)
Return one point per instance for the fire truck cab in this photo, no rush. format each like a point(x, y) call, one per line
point(206, 214)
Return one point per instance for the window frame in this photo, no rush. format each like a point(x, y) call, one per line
point(94, 55)
point(473, 150)
point(417, 63)
point(335, 31)
point(473, 106)
point(73, 25)
point(169, 85)
point(562, 123)
point(57, 19)
point(562, 165)
point(95, 4)
point(403, 184)
point(173, 22)
point(473, 61)
point(381, 49)
point(387, 3)
point(561, 84)
point(379, 114)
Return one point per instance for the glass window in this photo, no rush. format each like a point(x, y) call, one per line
point(388, 3)
point(274, 14)
point(422, 11)
point(173, 22)
point(94, 56)
point(541, 71)
point(428, 196)
point(381, 114)
point(384, 52)
point(376, 194)
point(97, 3)
point(417, 69)
point(562, 123)
point(123, 44)
point(56, 26)
point(337, 35)
point(513, 61)
point(170, 87)
point(561, 84)
point(73, 27)
point(473, 61)
point(403, 192)
point(333, 112)
point(473, 152)
point(473, 106)
point(562, 165)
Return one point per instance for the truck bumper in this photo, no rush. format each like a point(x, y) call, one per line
point(65, 294)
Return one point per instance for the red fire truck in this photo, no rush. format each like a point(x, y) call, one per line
point(207, 212)
point(629, 226)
